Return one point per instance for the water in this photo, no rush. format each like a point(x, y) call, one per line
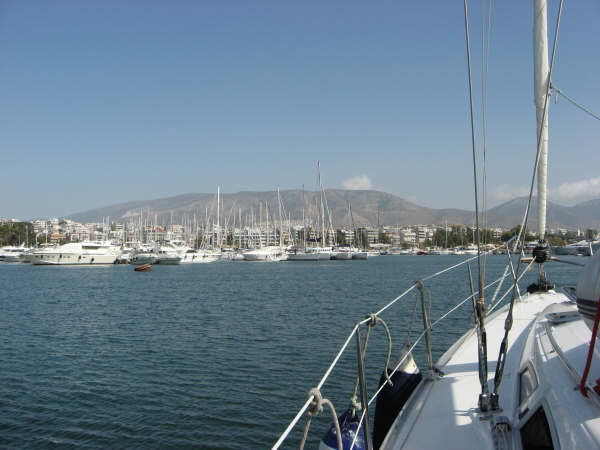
point(205, 355)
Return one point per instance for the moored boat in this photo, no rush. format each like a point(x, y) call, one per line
point(77, 253)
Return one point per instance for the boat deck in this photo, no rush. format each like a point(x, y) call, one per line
point(444, 411)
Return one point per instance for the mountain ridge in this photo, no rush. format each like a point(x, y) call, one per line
point(368, 207)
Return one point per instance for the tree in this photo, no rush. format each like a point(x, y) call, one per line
point(340, 237)
point(426, 243)
point(514, 232)
point(556, 241)
point(384, 238)
point(17, 233)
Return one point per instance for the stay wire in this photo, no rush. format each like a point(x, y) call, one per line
point(583, 108)
point(468, 42)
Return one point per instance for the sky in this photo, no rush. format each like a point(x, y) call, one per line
point(107, 102)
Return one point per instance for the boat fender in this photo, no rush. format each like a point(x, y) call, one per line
point(349, 427)
point(391, 400)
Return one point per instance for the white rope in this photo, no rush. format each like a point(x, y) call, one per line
point(316, 407)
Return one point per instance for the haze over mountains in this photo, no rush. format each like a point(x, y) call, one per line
point(368, 207)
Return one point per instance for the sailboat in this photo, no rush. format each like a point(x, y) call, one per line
point(526, 376)
point(321, 252)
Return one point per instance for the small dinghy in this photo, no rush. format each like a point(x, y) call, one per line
point(143, 268)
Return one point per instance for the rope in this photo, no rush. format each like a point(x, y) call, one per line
point(583, 108)
point(376, 320)
point(373, 320)
point(316, 407)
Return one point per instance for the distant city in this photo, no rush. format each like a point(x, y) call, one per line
point(212, 234)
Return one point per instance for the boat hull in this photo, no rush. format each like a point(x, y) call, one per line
point(339, 256)
point(60, 259)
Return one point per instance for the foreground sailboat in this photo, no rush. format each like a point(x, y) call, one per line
point(524, 377)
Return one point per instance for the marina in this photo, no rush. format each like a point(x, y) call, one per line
point(442, 292)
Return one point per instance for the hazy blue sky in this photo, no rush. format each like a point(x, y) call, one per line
point(109, 101)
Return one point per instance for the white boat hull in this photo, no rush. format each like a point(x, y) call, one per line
point(303, 257)
point(60, 259)
point(169, 260)
point(143, 258)
point(338, 256)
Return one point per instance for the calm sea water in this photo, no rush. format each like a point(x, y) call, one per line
point(208, 355)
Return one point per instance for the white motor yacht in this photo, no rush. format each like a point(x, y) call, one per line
point(167, 255)
point(342, 253)
point(12, 254)
point(76, 253)
point(192, 256)
point(361, 254)
point(310, 254)
point(271, 253)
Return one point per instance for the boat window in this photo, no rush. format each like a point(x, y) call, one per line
point(535, 434)
point(527, 384)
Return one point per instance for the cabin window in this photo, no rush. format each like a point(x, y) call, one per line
point(535, 434)
point(527, 384)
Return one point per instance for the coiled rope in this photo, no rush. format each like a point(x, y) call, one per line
point(373, 320)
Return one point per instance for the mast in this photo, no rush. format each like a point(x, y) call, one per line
point(280, 220)
point(218, 213)
point(303, 221)
point(322, 210)
point(541, 89)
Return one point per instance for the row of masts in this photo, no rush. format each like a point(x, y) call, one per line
point(253, 227)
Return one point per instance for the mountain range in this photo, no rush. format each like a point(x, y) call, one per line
point(367, 206)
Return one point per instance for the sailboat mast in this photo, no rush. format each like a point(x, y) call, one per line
point(280, 220)
point(541, 85)
point(218, 215)
point(322, 210)
point(303, 220)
